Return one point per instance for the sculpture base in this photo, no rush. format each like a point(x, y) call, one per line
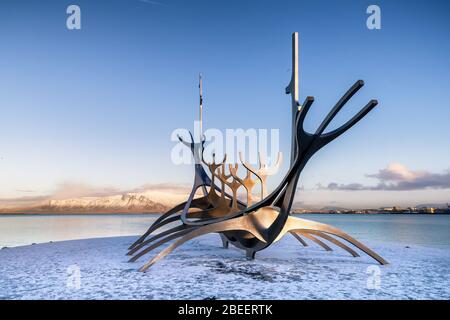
point(247, 233)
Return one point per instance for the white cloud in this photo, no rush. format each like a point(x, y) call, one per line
point(397, 177)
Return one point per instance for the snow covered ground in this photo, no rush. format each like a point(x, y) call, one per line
point(98, 269)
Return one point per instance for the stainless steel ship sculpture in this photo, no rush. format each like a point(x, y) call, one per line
point(253, 226)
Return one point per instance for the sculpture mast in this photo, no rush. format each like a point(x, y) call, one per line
point(292, 89)
point(200, 86)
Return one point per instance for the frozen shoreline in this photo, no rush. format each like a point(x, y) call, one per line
point(202, 269)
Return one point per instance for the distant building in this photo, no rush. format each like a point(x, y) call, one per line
point(430, 210)
point(427, 210)
point(412, 210)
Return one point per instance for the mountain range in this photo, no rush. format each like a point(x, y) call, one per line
point(149, 201)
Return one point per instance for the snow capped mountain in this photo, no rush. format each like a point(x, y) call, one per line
point(148, 201)
point(118, 203)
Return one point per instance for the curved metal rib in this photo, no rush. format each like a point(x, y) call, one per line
point(248, 183)
point(330, 136)
point(156, 237)
point(297, 224)
point(314, 239)
point(264, 170)
point(336, 242)
point(201, 203)
point(350, 92)
point(326, 237)
point(242, 223)
point(153, 228)
point(154, 225)
point(296, 236)
point(160, 242)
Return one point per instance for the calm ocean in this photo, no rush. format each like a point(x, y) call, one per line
point(16, 230)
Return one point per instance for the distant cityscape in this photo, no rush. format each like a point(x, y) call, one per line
point(386, 210)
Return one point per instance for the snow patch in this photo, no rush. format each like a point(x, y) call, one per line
point(201, 269)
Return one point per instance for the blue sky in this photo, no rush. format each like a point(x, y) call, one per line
point(97, 106)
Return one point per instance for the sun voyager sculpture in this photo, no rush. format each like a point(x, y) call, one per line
point(253, 226)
